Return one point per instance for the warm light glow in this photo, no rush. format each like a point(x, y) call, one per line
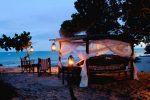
point(70, 61)
point(53, 47)
point(31, 49)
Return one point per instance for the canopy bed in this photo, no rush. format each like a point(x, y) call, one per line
point(90, 46)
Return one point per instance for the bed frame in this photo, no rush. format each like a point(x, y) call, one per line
point(107, 64)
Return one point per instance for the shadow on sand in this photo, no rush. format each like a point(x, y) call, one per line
point(102, 79)
point(7, 92)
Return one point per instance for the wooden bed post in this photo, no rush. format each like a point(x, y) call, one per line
point(59, 51)
point(87, 46)
point(132, 67)
point(59, 59)
point(87, 52)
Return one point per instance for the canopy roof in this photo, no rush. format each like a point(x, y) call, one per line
point(84, 38)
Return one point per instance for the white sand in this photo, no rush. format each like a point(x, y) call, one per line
point(54, 70)
point(31, 87)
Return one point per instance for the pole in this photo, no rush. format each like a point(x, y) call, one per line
point(87, 65)
point(132, 61)
point(59, 59)
point(68, 79)
point(87, 46)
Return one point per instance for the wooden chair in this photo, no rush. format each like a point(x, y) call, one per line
point(69, 74)
point(44, 65)
point(25, 65)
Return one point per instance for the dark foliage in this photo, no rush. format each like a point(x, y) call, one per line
point(101, 17)
point(92, 17)
point(5, 42)
point(18, 41)
point(21, 41)
point(136, 14)
point(7, 92)
point(147, 49)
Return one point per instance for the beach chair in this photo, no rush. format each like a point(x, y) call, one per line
point(44, 66)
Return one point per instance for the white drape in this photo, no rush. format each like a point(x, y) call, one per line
point(67, 47)
point(96, 48)
point(84, 78)
point(120, 48)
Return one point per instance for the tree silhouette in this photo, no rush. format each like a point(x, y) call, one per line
point(22, 41)
point(136, 14)
point(18, 42)
point(103, 16)
point(5, 42)
point(92, 17)
point(147, 49)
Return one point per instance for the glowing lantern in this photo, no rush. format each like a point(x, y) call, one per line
point(53, 47)
point(70, 61)
point(31, 49)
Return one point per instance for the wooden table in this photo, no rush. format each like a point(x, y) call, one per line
point(35, 65)
point(31, 65)
point(71, 72)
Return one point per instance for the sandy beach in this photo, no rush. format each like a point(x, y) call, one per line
point(49, 87)
point(29, 86)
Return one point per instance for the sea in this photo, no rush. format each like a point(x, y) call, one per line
point(12, 59)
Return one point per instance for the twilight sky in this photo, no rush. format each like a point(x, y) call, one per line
point(40, 17)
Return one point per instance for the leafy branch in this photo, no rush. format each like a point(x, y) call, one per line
point(18, 41)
